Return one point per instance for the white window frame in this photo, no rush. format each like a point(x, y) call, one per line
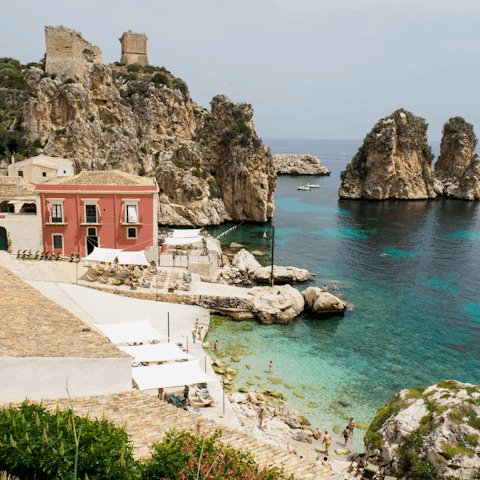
point(131, 202)
point(91, 201)
point(86, 236)
point(56, 201)
point(136, 233)
point(63, 243)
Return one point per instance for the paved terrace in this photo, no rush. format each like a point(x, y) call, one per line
point(32, 325)
point(148, 419)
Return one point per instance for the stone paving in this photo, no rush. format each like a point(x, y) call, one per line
point(31, 325)
point(148, 418)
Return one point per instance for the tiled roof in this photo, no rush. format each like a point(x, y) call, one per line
point(32, 325)
point(46, 164)
point(16, 187)
point(107, 177)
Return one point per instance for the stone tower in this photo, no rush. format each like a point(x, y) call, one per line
point(134, 48)
point(68, 54)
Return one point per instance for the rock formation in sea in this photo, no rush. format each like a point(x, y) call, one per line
point(428, 433)
point(210, 165)
point(394, 161)
point(287, 164)
point(457, 170)
point(323, 302)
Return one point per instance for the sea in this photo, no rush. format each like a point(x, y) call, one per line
point(410, 271)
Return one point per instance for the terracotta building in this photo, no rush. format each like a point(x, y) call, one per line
point(109, 209)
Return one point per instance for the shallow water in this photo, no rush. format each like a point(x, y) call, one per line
point(411, 270)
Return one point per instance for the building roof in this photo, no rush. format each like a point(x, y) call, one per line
point(107, 177)
point(32, 325)
point(42, 158)
point(16, 187)
point(44, 164)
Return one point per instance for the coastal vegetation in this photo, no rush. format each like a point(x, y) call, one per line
point(457, 127)
point(36, 443)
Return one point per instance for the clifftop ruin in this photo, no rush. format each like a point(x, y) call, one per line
point(68, 54)
point(134, 48)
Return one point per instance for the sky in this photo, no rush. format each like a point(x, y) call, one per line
point(310, 68)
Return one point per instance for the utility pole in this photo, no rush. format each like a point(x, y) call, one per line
point(273, 246)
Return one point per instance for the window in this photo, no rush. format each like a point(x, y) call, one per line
point(131, 232)
point(20, 173)
point(44, 174)
point(57, 242)
point(132, 216)
point(57, 214)
point(92, 232)
point(91, 213)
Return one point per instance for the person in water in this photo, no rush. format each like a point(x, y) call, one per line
point(327, 440)
point(215, 346)
point(351, 426)
point(345, 435)
point(334, 288)
point(270, 365)
point(325, 288)
point(281, 406)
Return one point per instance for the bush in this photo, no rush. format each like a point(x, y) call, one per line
point(38, 444)
point(148, 70)
point(160, 78)
point(181, 455)
point(134, 67)
point(197, 173)
point(215, 191)
point(69, 80)
point(11, 75)
point(32, 64)
point(131, 76)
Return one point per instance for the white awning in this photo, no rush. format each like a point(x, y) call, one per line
point(103, 255)
point(191, 232)
point(183, 240)
point(170, 375)
point(162, 352)
point(130, 332)
point(132, 258)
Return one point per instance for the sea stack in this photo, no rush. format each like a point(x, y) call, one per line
point(457, 170)
point(394, 161)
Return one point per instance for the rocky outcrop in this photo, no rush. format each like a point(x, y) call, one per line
point(457, 168)
point(282, 274)
point(210, 165)
point(394, 161)
point(323, 302)
point(299, 165)
point(277, 304)
point(245, 262)
point(428, 433)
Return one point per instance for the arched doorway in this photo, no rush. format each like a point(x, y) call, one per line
point(3, 239)
point(29, 208)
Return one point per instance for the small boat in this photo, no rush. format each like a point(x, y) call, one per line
point(312, 185)
point(307, 189)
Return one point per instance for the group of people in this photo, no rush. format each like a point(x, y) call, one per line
point(334, 288)
point(347, 433)
point(197, 332)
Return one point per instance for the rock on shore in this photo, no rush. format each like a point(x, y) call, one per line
point(394, 161)
point(323, 302)
point(428, 432)
point(299, 165)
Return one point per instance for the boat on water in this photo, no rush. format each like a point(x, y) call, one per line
point(300, 187)
point(312, 185)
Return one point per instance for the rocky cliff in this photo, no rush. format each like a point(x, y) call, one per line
point(429, 433)
point(299, 165)
point(394, 161)
point(457, 170)
point(210, 164)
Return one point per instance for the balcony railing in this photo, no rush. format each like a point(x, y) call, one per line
point(124, 220)
point(55, 222)
point(90, 221)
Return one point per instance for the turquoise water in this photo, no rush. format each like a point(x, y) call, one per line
point(411, 271)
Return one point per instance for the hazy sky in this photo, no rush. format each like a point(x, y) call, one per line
point(310, 68)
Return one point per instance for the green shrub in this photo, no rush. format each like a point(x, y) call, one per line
point(118, 64)
point(35, 443)
point(197, 173)
point(182, 86)
point(457, 127)
point(450, 384)
point(11, 74)
point(424, 470)
point(148, 70)
point(215, 191)
point(143, 150)
point(184, 456)
point(69, 80)
point(160, 78)
point(134, 67)
point(32, 64)
point(473, 439)
point(53, 76)
point(131, 76)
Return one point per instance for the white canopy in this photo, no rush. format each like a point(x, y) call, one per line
point(161, 352)
point(191, 232)
point(129, 332)
point(170, 375)
point(103, 255)
point(132, 258)
point(182, 240)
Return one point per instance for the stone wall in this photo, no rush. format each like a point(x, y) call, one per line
point(134, 48)
point(68, 54)
point(25, 231)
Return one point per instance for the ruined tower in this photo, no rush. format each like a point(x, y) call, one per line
point(134, 48)
point(68, 54)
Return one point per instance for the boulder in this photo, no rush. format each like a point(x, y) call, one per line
point(252, 398)
point(323, 302)
point(238, 397)
point(296, 164)
point(443, 420)
point(292, 421)
point(245, 262)
point(302, 437)
point(340, 451)
point(282, 274)
point(235, 245)
point(277, 304)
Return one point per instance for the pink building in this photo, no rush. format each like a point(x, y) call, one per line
point(109, 209)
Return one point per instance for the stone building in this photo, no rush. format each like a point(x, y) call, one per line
point(41, 168)
point(134, 48)
point(68, 54)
